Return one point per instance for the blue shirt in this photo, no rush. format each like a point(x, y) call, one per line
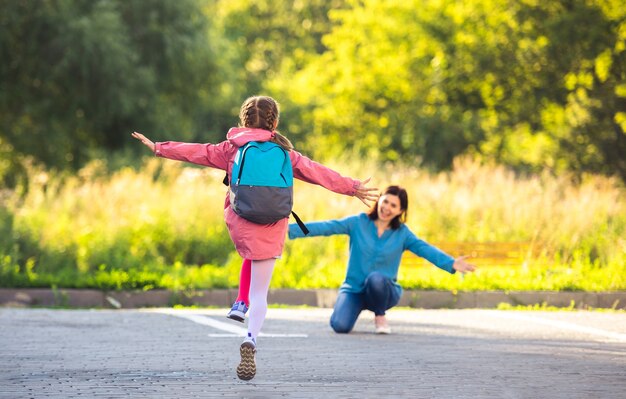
point(369, 253)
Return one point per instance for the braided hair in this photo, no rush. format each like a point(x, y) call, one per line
point(261, 112)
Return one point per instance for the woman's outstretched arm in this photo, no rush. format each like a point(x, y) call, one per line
point(324, 228)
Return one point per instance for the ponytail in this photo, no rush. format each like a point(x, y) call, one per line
point(282, 141)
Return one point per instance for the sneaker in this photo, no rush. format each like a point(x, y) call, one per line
point(247, 366)
point(381, 325)
point(238, 311)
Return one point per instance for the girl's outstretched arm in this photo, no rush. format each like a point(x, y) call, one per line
point(366, 194)
point(313, 172)
point(146, 141)
point(212, 155)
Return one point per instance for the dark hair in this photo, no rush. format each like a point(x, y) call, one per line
point(262, 112)
point(404, 206)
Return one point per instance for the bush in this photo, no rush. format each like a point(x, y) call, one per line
point(162, 227)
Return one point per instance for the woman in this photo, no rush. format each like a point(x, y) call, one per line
point(377, 241)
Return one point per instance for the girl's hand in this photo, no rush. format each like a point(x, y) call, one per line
point(144, 140)
point(365, 193)
point(460, 265)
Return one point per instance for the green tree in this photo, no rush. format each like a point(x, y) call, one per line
point(79, 75)
point(395, 82)
point(527, 83)
point(588, 42)
point(265, 43)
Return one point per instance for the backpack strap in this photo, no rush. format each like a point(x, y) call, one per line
point(243, 160)
point(300, 223)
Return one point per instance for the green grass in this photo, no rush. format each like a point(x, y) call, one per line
point(162, 227)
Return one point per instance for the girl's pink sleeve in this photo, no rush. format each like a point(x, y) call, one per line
point(312, 172)
point(213, 155)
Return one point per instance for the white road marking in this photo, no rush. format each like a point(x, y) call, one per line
point(234, 331)
point(619, 337)
point(260, 335)
point(207, 321)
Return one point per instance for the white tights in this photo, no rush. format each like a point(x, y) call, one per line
point(259, 286)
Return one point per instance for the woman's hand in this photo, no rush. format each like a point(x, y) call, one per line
point(366, 193)
point(460, 265)
point(144, 140)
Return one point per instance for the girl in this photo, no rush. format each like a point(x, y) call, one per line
point(377, 241)
point(262, 244)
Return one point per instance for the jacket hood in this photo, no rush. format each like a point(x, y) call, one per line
point(239, 136)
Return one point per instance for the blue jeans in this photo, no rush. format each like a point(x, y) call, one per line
point(378, 296)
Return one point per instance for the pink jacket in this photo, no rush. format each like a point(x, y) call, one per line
point(254, 241)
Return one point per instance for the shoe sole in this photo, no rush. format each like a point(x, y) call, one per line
point(235, 317)
point(383, 330)
point(247, 367)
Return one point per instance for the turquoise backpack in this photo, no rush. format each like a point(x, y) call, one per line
point(261, 185)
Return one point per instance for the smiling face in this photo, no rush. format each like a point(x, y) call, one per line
point(389, 207)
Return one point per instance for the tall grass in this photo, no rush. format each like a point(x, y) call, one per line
point(162, 226)
point(575, 232)
point(121, 230)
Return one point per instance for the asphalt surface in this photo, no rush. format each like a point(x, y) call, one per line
point(164, 353)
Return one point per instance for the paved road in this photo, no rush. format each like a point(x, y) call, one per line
point(162, 353)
